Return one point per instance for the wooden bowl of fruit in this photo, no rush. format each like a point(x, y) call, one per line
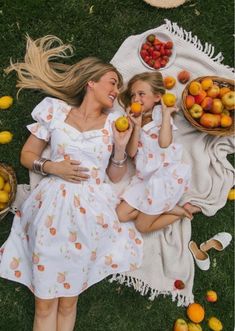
point(157, 51)
point(8, 187)
point(208, 103)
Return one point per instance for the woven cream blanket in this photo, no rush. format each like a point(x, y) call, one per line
point(166, 254)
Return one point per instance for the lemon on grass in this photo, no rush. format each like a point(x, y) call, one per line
point(5, 137)
point(6, 102)
point(231, 194)
point(2, 182)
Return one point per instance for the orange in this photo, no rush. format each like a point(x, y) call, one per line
point(195, 312)
point(136, 108)
point(122, 123)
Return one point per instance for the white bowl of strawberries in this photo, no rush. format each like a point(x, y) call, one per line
point(157, 51)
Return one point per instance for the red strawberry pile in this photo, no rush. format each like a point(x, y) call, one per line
point(156, 53)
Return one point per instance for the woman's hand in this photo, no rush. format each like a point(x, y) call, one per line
point(121, 138)
point(69, 170)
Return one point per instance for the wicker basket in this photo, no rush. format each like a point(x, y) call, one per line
point(222, 82)
point(8, 174)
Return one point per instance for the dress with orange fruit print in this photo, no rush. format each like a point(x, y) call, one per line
point(161, 176)
point(67, 236)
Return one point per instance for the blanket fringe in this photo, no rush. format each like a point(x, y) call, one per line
point(145, 289)
point(207, 49)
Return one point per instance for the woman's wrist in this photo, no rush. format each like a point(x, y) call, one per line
point(49, 167)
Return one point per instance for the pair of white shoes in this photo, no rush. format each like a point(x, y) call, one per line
point(219, 242)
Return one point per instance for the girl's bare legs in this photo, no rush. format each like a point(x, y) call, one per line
point(149, 223)
point(45, 317)
point(180, 211)
point(67, 311)
point(191, 208)
point(125, 212)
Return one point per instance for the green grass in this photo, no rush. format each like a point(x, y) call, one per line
point(107, 306)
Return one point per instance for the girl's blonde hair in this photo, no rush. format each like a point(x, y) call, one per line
point(40, 70)
point(154, 79)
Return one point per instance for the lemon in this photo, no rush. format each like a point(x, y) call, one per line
point(5, 137)
point(231, 194)
point(215, 324)
point(4, 197)
point(6, 102)
point(2, 205)
point(7, 187)
point(2, 182)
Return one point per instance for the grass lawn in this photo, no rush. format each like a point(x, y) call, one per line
point(98, 27)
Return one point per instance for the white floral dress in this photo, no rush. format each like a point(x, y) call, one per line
point(161, 176)
point(67, 236)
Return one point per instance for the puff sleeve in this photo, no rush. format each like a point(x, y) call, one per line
point(45, 113)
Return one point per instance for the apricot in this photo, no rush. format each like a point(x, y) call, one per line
point(206, 83)
point(213, 91)
point(122, 123)
point(183, 76)
point(195, 88)
point(136, 108)
point(223, 91)
point(169, 99)
point(195, 312)
point(169, 82)
point(226, 121)
point(207, 103)
point(200, 97)
point(189, 101)
point(209, 120)
point(211, 296)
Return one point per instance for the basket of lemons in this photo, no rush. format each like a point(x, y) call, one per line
point(8, 186)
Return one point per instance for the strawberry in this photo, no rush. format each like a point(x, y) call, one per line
point(162, 51)
point(143, 53)
point(145, 46)
point(168, 52)
point(179, 284)
point(163, 63)
point(169, 44)
point(151, 38)
point(157, 64)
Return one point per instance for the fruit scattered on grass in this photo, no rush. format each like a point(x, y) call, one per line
point(179, 284)
point(180, 325)
point(194, 327)
point(211, 296)
point(195, 312)
point(231, 194)
point(215, 324)
point(5, 137)
point(6, 102)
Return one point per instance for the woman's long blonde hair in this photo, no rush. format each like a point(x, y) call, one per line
point(154, 79)
point(40, 70)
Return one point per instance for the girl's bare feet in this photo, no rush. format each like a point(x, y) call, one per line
point(191, 208)
point(181, 211)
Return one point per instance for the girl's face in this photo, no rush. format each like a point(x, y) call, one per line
point(141, 92)
point(106, 89)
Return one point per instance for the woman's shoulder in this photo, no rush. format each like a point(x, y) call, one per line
point(49, 109)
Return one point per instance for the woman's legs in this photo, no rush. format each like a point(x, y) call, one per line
point(67, 311)
point(45, 317)
point(192, 208)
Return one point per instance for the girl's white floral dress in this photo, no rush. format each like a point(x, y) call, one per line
point(67, 236)
point(161, 175)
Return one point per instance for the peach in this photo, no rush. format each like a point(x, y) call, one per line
point(200, 97)
point(226, 121)
point(169, 99)
point(213, 91)
point(206, 83)
point(209, 121)
point(180, 325)
point(223, 91)
point(207, 103)
point(183, 76)
point(217, 106)
point(211, 296)
point(189, 101)
point(169, 82)
point(195, 88)
point(196, 111)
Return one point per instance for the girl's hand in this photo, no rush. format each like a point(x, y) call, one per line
point(121, 138)
point(135, 120)
point(168, 110)
point(69, 170)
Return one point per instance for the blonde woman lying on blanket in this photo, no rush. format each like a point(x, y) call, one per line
point(67, 235)
point(161, 176)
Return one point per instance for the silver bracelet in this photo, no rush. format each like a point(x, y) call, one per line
point(38, 166)
point(119, 163)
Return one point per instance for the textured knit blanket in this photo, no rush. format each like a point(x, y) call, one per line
point(166, 254)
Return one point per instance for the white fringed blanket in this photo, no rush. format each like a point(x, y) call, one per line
point(166, 254)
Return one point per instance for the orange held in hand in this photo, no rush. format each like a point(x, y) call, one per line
point(136, 108)
point(122, 123)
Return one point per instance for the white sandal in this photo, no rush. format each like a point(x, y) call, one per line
point(219, 242)
point(201, 258)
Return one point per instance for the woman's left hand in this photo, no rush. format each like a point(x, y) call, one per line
point(168, 110)
point(121, 138)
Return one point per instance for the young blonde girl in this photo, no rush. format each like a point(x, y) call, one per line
point(161, 176)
